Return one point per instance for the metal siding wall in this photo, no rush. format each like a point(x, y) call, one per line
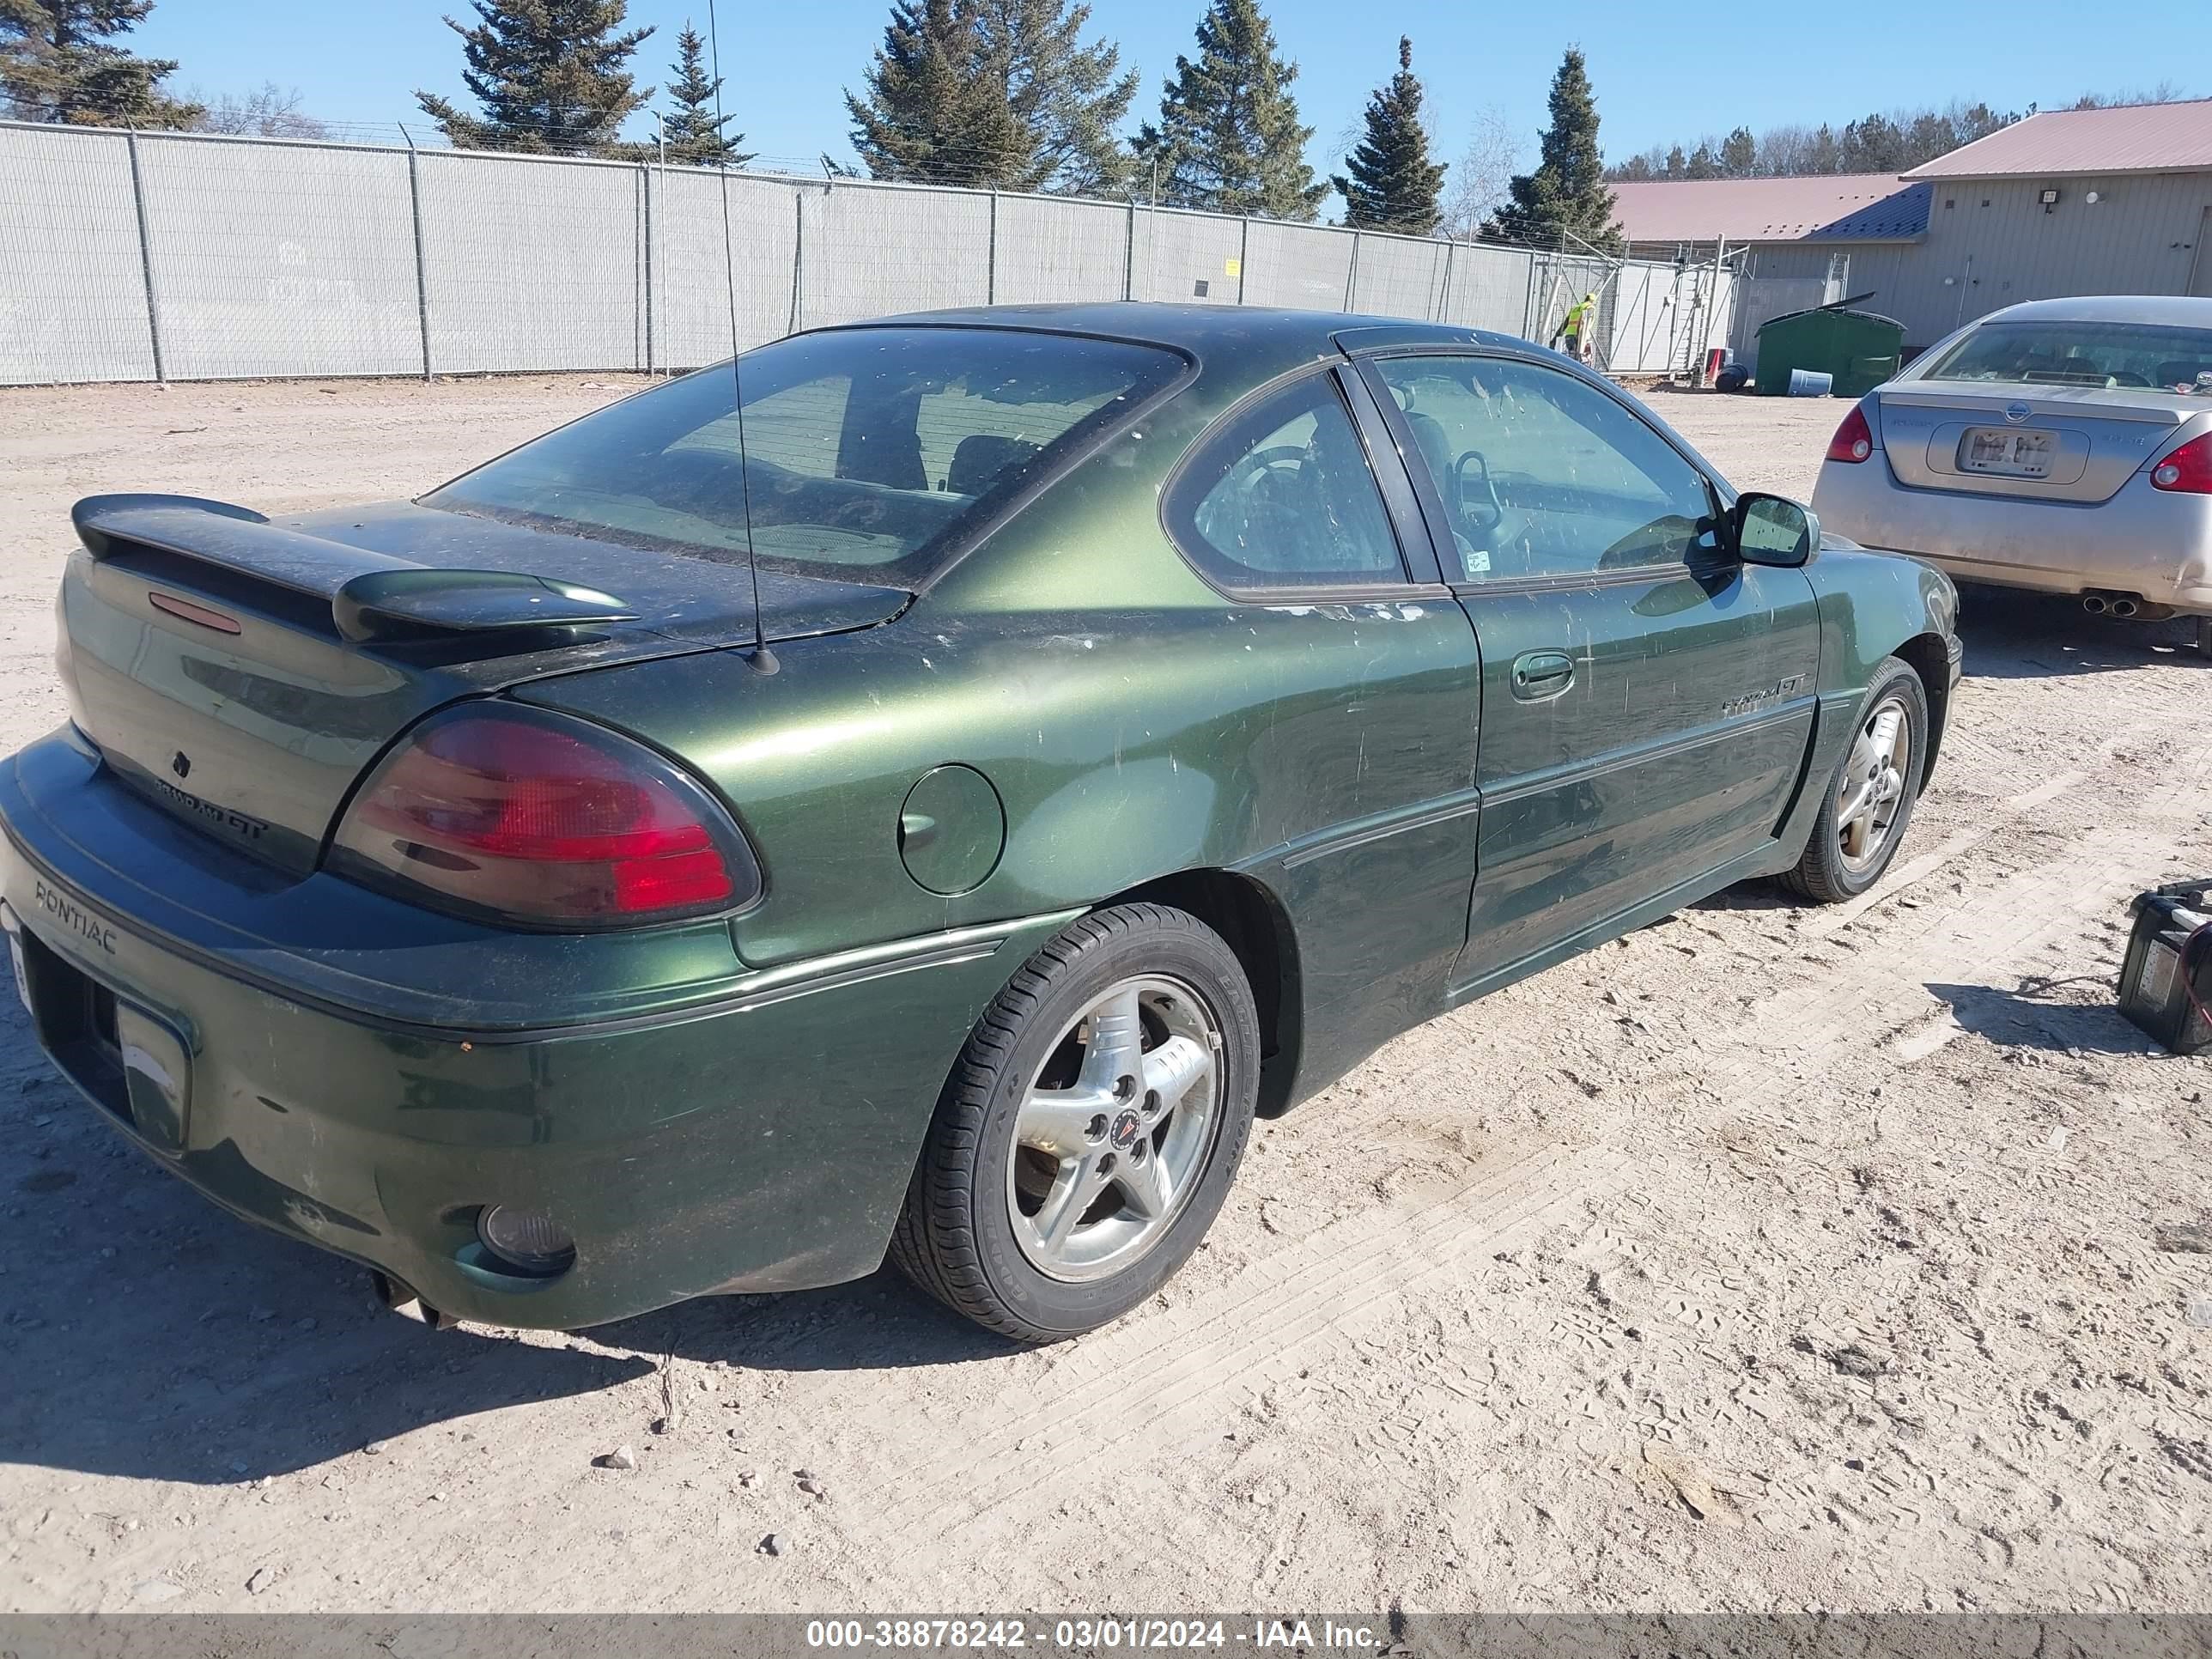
point(690, 296)
point(532, 265)
point(870, 249)
point(1306, 267)
point(1397, 277)
point(273, 259)
point(1488, 288)
point(2138, 238)
point(1051, 251)
point(1176, 250)
point(72, 288)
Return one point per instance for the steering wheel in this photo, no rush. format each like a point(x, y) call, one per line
point(1275, 455)
point(1479, 506)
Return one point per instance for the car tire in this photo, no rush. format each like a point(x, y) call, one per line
point(1847, 854)
point(1039, 1222)
point(2203, 636)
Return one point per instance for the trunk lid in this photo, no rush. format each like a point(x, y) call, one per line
point(241, 672)
point(2033, 441)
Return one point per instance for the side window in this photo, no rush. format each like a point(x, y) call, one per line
point(1283, 497)
point(1543, 476)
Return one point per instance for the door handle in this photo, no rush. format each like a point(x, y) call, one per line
point(1538, 675)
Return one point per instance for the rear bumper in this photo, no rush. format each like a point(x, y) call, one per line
point(757, 1135)
point(2142, 541)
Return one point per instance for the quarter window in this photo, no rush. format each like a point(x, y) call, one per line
point(1543, 476)
point(1284, 497)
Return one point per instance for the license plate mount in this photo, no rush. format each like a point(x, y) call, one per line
point(2005, 452)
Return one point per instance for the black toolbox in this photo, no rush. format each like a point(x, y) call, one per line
point(2166, 983)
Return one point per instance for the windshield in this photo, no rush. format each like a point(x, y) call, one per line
point(866, 449)
point(2057, 353)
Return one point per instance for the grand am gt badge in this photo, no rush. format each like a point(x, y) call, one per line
point(1752, 700)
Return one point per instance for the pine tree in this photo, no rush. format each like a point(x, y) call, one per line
point(1739, 154)
point(692, 130)
point(1001, 95)
point(1066, 97)
point(56, 65)
point(550, 75)
point(1389, 182)
point(1229, 137)
point(1566, 194)
point(927, 118)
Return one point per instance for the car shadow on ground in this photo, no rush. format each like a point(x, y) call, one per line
point(145, 1333)
point(2012, 634)
point(878, 1323)
point(2030, 1017)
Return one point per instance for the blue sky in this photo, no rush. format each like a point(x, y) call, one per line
point(1661, 71)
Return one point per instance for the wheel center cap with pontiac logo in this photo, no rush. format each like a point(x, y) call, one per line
point(2017, 412)
point(1126, 1127)
point(181, 764)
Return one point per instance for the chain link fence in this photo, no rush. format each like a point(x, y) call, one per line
point(136, 256)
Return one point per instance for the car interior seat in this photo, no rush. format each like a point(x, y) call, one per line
point(983, 459)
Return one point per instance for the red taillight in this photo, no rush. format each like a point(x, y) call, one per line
point(1854, 438)
point(2188, 469)
point(541, 819)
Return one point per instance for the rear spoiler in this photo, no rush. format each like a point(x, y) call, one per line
point(372, 596)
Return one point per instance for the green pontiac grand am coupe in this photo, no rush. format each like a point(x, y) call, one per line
point(1130, 716)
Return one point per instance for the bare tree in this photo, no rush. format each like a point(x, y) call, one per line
point(2165, 92)
point(1479, 180)
point(268, 112)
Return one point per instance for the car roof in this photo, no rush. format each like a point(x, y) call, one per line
point(2176, 310)
point(1191, 327)
point(1234, 345)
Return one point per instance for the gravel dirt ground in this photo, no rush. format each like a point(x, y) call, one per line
point(1772, 1258)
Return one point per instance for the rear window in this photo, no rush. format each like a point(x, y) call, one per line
point(2056, 353)
point(865, 450)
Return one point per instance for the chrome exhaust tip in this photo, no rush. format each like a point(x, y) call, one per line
point(2123, 608)
point(2095, 603)
point(402, 1299)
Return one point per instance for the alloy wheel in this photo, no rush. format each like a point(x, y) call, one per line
point(1114, 1131)
point(1872, 788)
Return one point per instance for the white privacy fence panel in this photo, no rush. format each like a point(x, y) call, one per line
point(1048, 251)
point(1398, 276)
point(278, 259)
point(150, 256)
point(867, 249)
point(1487, 288)
point(688, 260)
point(1643, 321)
point(1302, 266)
point(531, 263)
point(1194, 258)
point(72, 276)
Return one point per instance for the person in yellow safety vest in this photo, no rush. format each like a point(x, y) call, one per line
point(1577, 326)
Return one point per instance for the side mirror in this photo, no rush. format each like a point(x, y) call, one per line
point(1773, 530)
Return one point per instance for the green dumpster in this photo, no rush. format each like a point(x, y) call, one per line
point(1859, 349)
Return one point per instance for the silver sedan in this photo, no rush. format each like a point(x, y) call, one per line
point(2064, 445)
